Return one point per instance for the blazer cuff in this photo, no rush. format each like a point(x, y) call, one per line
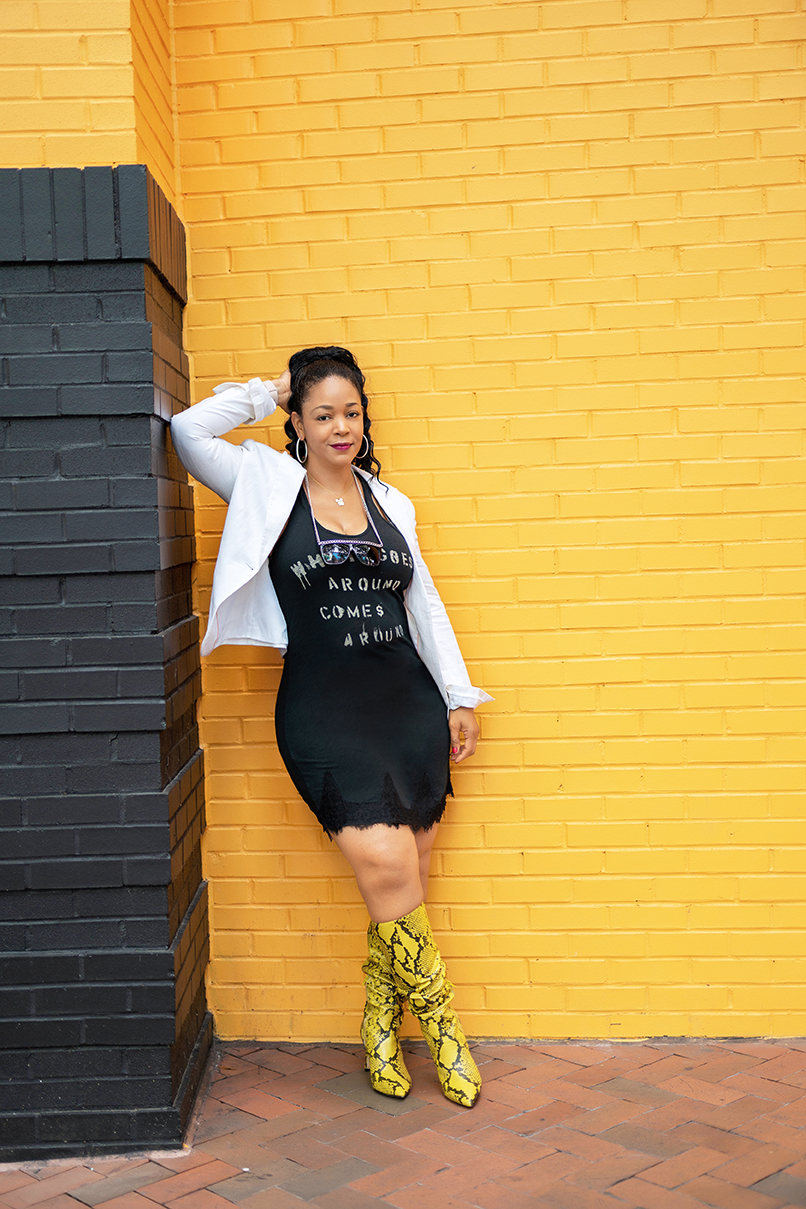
point(260, 396)
point(466, 696)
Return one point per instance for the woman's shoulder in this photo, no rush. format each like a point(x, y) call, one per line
point(264, 464)
point(263, 455)
point(381, 487)
point(397, 506)
point(384, 491)
point(260, 449)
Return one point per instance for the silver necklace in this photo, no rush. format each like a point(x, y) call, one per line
point(338, 498)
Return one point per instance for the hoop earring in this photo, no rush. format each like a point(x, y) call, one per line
point(302, 460)
point(362, 453)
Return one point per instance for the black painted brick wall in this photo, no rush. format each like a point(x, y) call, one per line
point(103, 910)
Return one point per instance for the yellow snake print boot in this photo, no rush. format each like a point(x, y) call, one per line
point(383, 1013)
point(419, 973)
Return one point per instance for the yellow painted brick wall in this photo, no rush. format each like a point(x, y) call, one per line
point(153, 86)
point(567, 242)
point(86, 82)
point(65, 83)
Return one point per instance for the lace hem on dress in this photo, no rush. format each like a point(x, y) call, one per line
point(335, 813)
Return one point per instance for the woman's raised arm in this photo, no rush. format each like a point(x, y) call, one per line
point(197, 432)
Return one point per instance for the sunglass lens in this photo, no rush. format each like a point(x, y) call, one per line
point(333, 555)
point(370, 556)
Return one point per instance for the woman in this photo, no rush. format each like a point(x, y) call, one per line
point(320, 559)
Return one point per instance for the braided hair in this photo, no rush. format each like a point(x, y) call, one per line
point(312, 365)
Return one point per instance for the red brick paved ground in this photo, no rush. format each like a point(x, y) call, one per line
point(657, 1125)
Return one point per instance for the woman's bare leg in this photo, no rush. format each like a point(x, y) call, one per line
point(425, 843)
point(390, 865)
point(391, 868)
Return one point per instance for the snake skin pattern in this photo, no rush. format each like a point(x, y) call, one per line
point(419, 973)
point(383, 1013)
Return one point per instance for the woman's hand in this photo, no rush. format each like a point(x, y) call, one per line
point(283, 384)
point(462, 721)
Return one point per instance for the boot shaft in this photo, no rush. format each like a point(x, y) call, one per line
point(416, 963)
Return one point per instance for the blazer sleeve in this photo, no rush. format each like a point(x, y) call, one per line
point(459, 690)
point(197, 432)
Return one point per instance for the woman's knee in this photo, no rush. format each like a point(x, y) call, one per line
point(381, 857)
point(390, 868)
point(385, 882)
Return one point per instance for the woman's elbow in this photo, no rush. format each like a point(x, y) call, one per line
point(178, 422)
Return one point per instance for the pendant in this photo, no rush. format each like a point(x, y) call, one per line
point(339, 502)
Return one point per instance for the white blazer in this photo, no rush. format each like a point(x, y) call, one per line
point(260, 486)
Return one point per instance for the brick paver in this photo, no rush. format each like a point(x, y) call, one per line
point(658, 1125)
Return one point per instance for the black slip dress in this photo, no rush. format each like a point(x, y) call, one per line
point(361, 726)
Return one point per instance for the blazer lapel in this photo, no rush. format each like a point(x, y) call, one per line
point(253, 524)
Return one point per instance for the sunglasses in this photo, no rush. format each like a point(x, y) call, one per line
point(335, 552)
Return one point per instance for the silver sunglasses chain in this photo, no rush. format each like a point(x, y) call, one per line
point(346, 538)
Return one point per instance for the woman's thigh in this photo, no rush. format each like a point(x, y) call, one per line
point(425, 842)
point(386, 864)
